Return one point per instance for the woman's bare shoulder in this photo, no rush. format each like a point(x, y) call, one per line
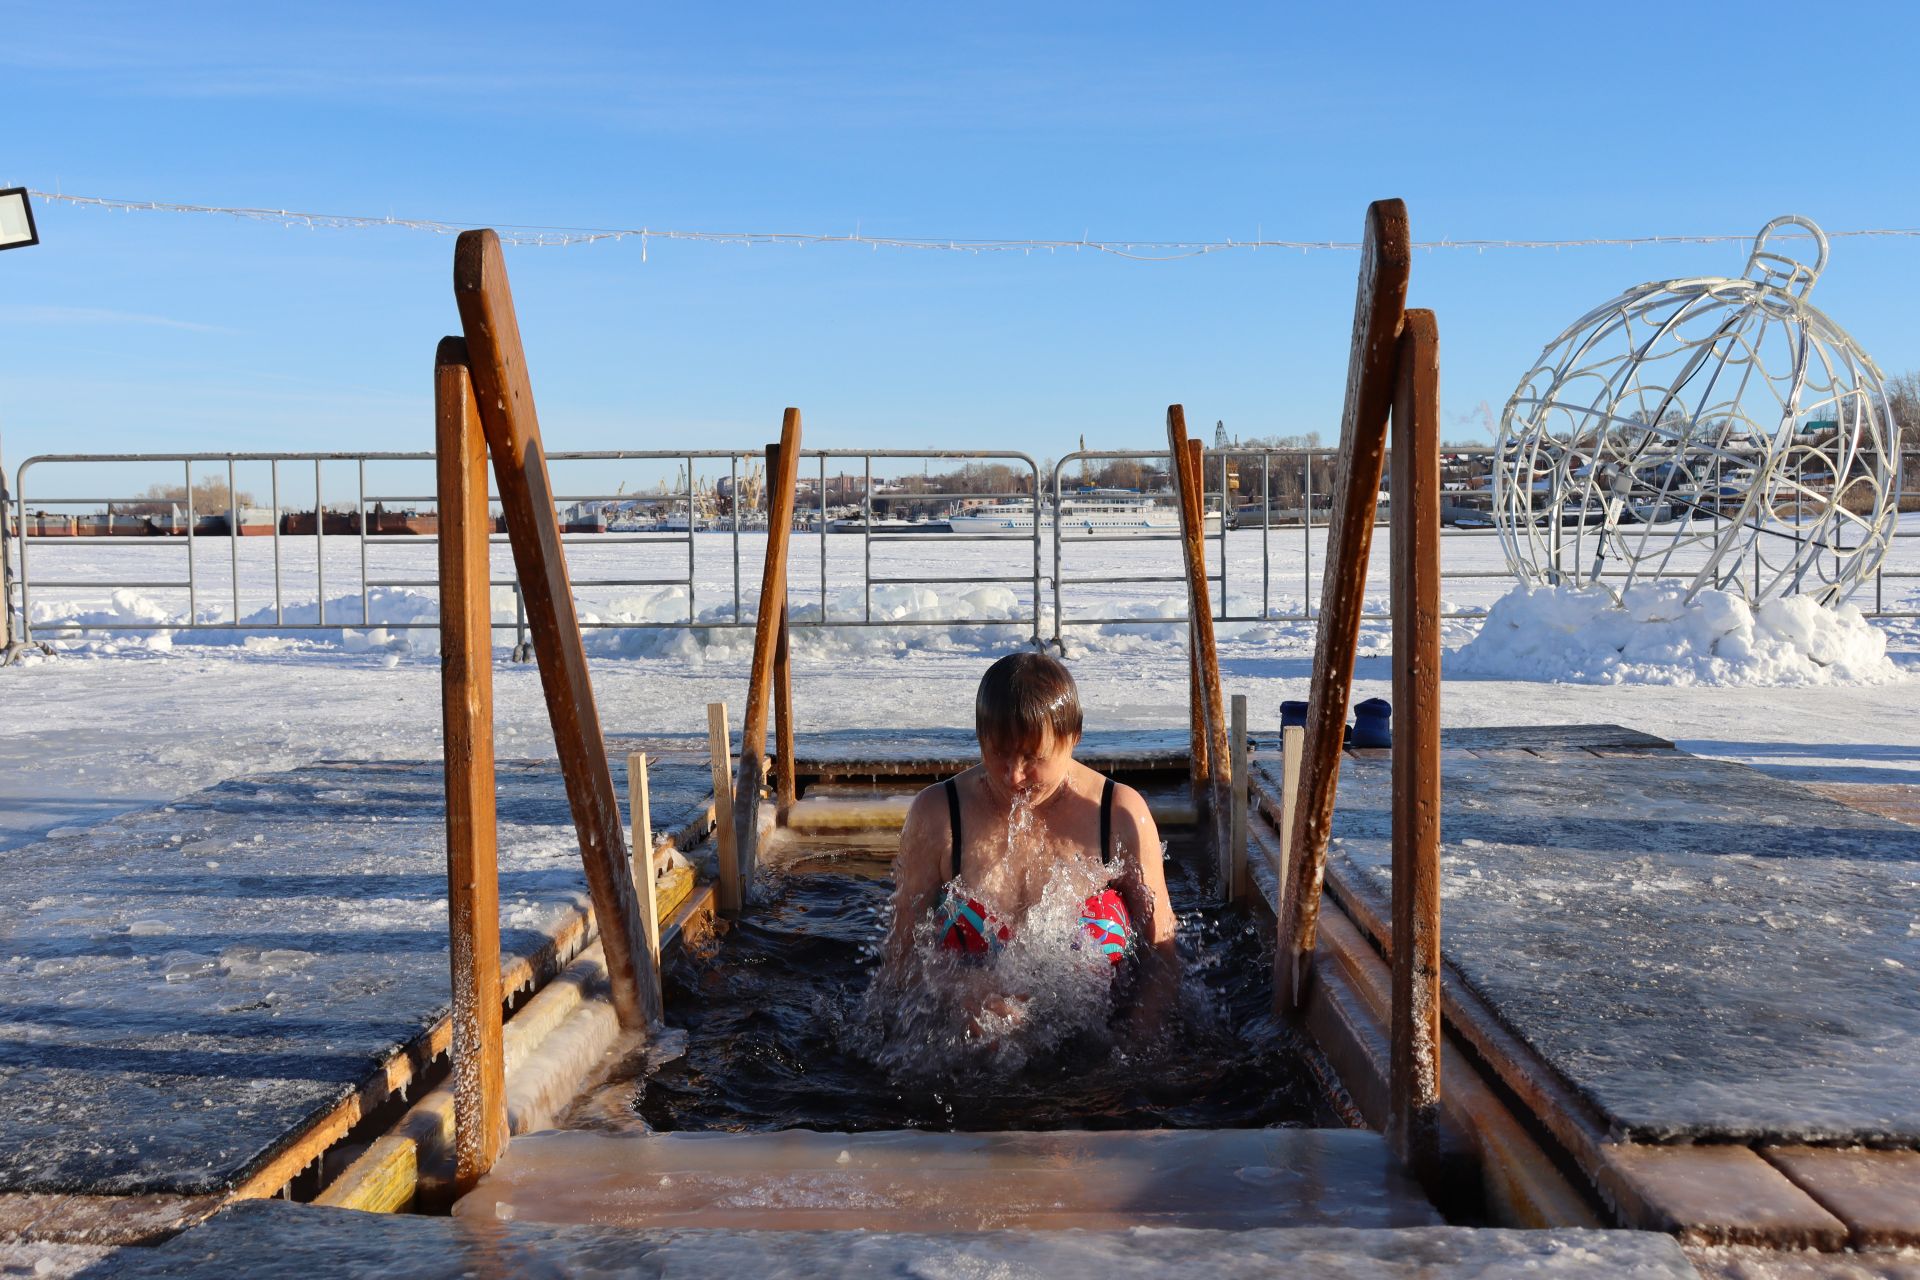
point(932, 800)
point(1132, 818)
point(1127, 800)
point(930, 814)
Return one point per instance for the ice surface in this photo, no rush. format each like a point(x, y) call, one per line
point(1700, 950)
point(181, 989)
point(273, 1237)
point(41, 1260)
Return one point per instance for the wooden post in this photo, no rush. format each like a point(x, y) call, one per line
point(726, 850)
point(1414, 1070)
point(1385, 259)
point(1196, 723)
point(1293, 745)
point(783, 470)
point(504, 394)
point(1239, 876)
point(1200, 766)
point(1216, 718)
point(783, 778)
point(466, 709)
point(1211, 721)
point(644, 873)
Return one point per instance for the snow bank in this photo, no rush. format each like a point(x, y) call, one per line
point(994, 617)
point(1530, 634)
point(131, 623)
point(1656, 636)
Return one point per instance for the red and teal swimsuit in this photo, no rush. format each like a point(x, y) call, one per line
point(968, 926)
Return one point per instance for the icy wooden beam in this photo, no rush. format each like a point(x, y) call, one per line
point(1240, 878)
point(466, 711)
point(505, 395)
point(783, 779)
point(1384, 262)
point(726, 851)
point(1293, 744)
point(783, 470)
point(1414, 1085)
point(644, 873)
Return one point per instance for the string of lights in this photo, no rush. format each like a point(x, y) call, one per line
point(1136, 250)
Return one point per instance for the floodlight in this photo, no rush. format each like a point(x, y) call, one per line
point(16, 219)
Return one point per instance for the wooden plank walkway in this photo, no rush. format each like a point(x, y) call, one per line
point(1647, 947)
point(1704, 953)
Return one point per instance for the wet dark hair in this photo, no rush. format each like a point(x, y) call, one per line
point(1021, 697)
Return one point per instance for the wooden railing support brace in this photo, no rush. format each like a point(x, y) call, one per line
point(1210, 724)
point(1385, 258)
point(769, 628)
point(504, 393)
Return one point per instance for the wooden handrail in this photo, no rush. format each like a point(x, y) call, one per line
point(1414, 1062)
point(1385, 260)
point(769, 629)
point(504, 393)
point(466, 708)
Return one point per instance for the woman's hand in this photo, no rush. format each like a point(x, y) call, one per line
point(990, 1015)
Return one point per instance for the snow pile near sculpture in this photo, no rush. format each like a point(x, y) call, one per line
point(1655, 635)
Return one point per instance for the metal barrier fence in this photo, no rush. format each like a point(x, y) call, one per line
point(359, 525)
point(1281, 494)
point(1268, 471)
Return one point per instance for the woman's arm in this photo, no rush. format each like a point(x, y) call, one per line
point(1145, 886)
point(916, 873)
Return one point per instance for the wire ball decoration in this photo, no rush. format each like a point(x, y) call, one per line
point(1714, 433)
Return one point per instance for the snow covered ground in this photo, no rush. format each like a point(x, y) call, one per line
point(123, 719)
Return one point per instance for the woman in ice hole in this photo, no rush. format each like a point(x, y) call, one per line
point(979, 850)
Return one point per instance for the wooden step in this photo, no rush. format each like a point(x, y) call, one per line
point(833, 813)
point(936, 1182)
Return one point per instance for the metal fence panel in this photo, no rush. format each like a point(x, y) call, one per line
point(1294, 492)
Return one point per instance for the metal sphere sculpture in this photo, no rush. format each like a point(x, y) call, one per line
point(1716, 433)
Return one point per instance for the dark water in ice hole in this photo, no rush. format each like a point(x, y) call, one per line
point(769, 1012)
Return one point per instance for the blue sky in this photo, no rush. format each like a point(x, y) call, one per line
point(154, 331)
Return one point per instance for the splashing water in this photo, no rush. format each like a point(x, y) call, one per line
point(950, 1012)
point(1040, 991)
point(791, 1023)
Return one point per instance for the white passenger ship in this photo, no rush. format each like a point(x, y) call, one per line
point(1111, 513)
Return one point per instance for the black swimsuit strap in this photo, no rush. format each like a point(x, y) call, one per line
point(953, 820)
point(1106, 823)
